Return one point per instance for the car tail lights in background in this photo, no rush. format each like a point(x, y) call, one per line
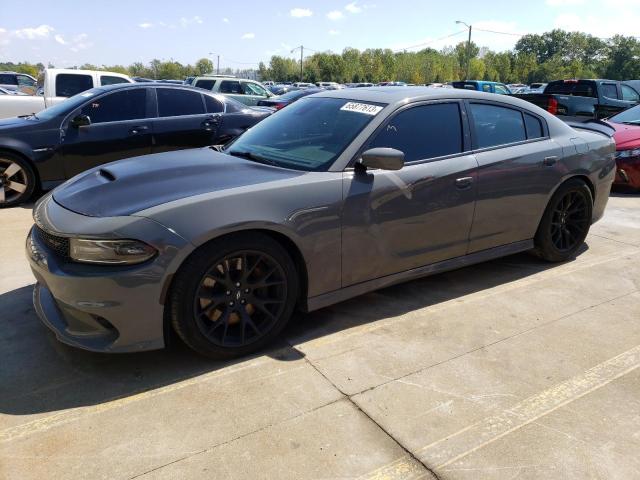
point(279, 105)
point(552, 106)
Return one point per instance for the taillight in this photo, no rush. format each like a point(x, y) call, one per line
point(552, 106)
point(278, 106)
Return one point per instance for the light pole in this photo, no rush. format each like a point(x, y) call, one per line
point(468, 47)
point(301, 47)
point(218, 67)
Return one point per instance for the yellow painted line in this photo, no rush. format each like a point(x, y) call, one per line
point(448, 450)
point(404, 468)
point(50, 421)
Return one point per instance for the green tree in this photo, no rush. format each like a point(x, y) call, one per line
point(203, 66)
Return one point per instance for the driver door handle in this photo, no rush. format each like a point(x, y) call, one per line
point(464, 182)
point(138, 129)
point(550, 161)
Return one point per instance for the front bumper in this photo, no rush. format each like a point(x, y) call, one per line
point(102, 308)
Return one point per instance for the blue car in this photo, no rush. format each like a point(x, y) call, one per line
point(483, 86)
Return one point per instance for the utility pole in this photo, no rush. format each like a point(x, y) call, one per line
point(218, 64)
point(301, 47)
point(468, 47)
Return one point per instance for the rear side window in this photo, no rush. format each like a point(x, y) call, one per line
point(231, 86)
point(8, 79)
point(486, 88)
point(111, 80)
point(534, 126)
point(496, 125)
point(69, 84)
point(118, 106)
point(205, 83)
point(213, 105)
point(609, 90)
point(174, 102)
point(423, 132)
point(578, 89)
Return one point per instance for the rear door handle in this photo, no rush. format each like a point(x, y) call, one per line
point(550, 161)
point(211, 122)
point(138, 129)
point(464, 182)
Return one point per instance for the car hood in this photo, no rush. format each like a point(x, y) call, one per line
point(129, 186)
point(626, 136)
point(16, 122)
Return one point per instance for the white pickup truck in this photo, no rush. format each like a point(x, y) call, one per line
point(58, 85)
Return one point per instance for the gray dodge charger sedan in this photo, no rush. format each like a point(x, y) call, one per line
point(341, 193)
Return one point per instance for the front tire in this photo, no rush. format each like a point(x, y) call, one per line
point(17, 180)
point(565, 223)
point(234, 295)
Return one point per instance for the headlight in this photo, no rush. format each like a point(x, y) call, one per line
point(628, 153)
point(110, 252)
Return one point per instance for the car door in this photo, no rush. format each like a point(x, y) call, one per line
point(397, 220)
point(519, 165)
point(182, 120)
point(119, 129)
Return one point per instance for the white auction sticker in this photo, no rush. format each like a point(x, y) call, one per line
point(361, 108)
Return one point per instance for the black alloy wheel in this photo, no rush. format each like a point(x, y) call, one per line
point(565, 223)
point(240, 298)
point(233, 295)
point(570, 221)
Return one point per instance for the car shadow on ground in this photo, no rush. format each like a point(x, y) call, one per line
point(39, 374)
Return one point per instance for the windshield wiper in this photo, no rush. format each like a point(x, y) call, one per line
point(29, 116)
point(252, 156)
point(632, 122)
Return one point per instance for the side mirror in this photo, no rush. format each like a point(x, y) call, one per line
point(80, 121)
point(383, 158)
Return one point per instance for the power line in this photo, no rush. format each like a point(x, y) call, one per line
point(431, 41)
point(500, 33)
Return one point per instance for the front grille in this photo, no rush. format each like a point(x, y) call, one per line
point(60, 245)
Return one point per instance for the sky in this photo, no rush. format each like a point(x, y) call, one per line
point(245, 32)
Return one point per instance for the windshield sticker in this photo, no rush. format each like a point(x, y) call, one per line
point(362, 108)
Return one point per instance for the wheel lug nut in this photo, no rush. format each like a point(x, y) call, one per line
point(243, 302)
point(246, 290)
point(237, 284)
point(231, 304)
point(228, 292)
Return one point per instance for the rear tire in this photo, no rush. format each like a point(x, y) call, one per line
point(17, 180)
point(565, 223)
point(234, 295)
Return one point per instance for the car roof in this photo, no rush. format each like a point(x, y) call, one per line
point(122, 86)
point(392, 95)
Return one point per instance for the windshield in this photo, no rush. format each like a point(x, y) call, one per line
point(308, 135)
point(68, 105)
point(631, 115)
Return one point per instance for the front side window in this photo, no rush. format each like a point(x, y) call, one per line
point(308, 135)
point(423, 132)
point(69, 84)
point(496, 125)
point(175, 102)
point(25, 81)
point(502, 90)
point(629, 94)
point(118, 106)
point(254, 89)
point(111, 80)
point(609, 90)
point(231, 86)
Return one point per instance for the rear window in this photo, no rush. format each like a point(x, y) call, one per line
point(578, 89)
point(175, 102)
point(496, 125)
point(69, 84)
point(206, 84)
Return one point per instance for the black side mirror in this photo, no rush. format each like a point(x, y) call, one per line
point(80, 121)
point(383, 158)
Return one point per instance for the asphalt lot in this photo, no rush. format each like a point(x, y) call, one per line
point(509, 369)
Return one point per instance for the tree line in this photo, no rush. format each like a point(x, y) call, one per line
point(535, 58)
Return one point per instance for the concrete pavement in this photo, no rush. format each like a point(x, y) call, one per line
point(511, 369)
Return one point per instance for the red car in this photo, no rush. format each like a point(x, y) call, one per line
point(627, 137)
